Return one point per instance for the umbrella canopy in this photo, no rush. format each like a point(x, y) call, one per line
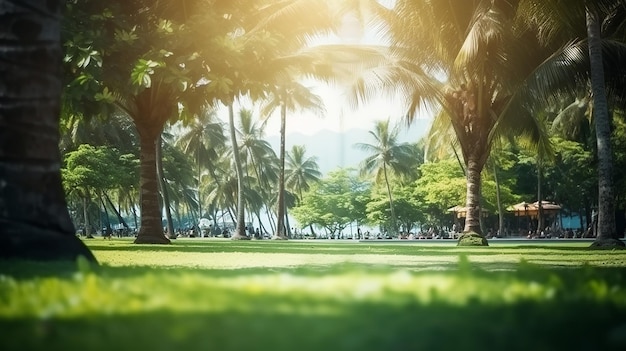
point(461, 211)
point(532, 209)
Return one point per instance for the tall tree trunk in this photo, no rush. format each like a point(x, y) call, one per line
point(499, 201)
point(134, 209)
point(117, 212)
point(34, 220)
point(199, 182)
point(151, 230)
point(107, 229)
point(394, 226)
point(280, 227)
point(163, 187)
point(606, 233)
point(472, 233)
point(87, 231)
point(239, 233)
point(540, 216)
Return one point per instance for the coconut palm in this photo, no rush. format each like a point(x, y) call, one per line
point(203, 137)
point(593, 21)
point(473, 64)
point(34, 220)
point(289, 97)
point(606, 232)
point(260, 161)
point(300, 170)
point(386, 155)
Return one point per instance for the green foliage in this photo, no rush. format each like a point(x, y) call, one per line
point(442, 185)
point(333, 202)
point(188, 296)
point(409, 209)
point(99, 168)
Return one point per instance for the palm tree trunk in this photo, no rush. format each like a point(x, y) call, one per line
point(151, 230)
point(472, 234)
point(164, 190)
point(606, 233)
point(34, 221)
point(108, 229)
point(540, 219)
point(393, 214)
point(499, 201)
point(134, 209)
point(280, 228)
point(86, 216)
point(117, 212)
point(239, 229)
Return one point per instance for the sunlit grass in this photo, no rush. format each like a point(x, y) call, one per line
point(219, 294)
point(225, 254)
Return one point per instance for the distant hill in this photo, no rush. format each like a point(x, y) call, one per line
point(336, 150)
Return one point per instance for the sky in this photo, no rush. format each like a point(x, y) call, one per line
point(339, 115)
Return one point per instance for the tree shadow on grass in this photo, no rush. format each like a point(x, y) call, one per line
point(589, 325)
point(582, 312)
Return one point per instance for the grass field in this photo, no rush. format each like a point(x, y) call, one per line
point(207, 294)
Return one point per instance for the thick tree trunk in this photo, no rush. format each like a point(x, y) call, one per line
point(34, 220)
point(280, 227)
point(472, 233)
point(472, 221)
point(239, 233)
point(163, 187)
point(151, 230)
point(606, 234)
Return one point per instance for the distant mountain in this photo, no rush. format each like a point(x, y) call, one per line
point(336, 150)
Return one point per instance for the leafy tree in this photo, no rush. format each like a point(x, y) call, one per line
point(151, 61)
point(440, 186)
point(333, 202)
point(87, 173)
point(570, 180)
point(409, 209)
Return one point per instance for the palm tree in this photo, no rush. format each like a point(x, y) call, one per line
point(300, 172)
point(606, 232)
point(202, 139)
point(387, 155)
point(260, 160)
point(290, 97)
point(559, 20)
point(35, 223)
point(239, 233)
point(470, 60)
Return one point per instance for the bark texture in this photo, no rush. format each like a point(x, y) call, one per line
point(34, 221)
point(606, 232)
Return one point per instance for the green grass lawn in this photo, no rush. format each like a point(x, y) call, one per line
point(207, 294)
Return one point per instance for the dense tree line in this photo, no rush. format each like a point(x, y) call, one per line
point(496, 75)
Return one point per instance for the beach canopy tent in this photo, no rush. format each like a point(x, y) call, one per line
point(532, 209)
point(461, 211)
